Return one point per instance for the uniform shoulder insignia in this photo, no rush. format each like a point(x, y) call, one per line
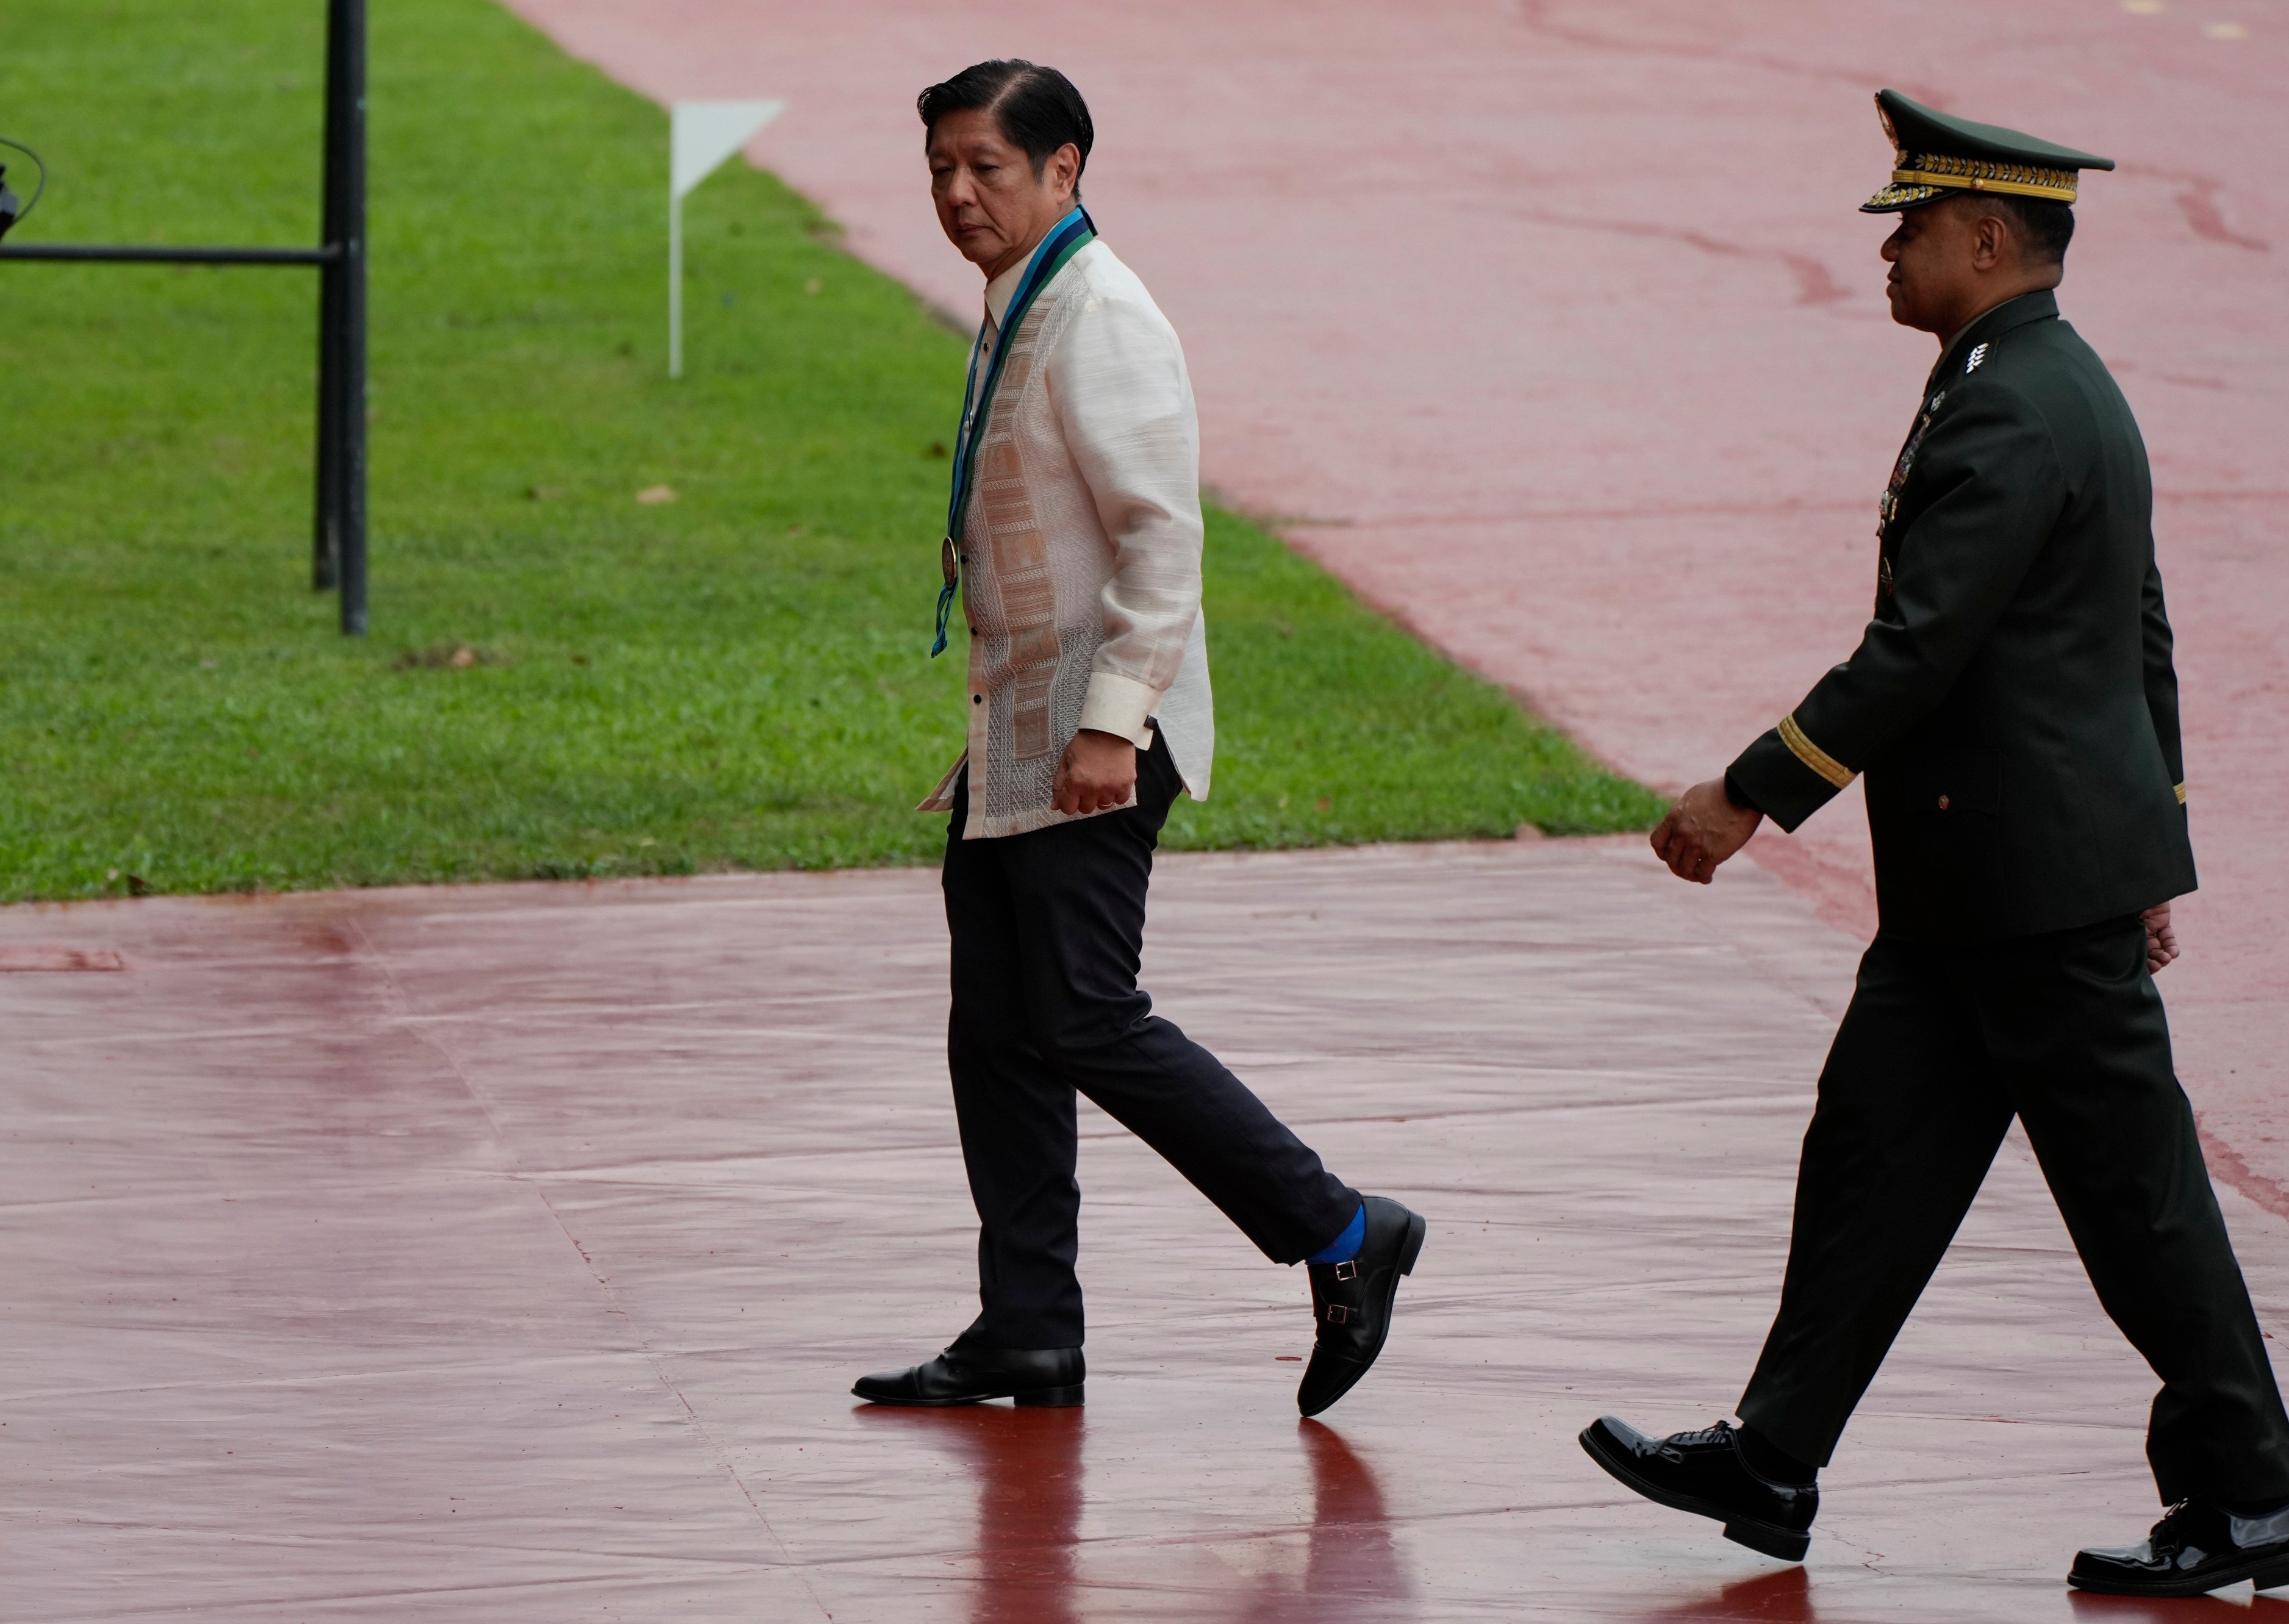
point(1978, 355)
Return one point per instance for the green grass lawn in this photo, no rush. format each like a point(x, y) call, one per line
point(735, 679)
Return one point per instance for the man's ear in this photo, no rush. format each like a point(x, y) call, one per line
point(1991, 242)
point(1064, 168)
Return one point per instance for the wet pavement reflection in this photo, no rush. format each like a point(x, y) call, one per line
point(1029, 1471)
point(2260, 1608)
point(1025, 1467)
point(1787, 1596)
point(1355, 1560)
point(1784, 1597)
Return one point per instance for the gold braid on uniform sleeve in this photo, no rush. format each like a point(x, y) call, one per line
point(1812, 755)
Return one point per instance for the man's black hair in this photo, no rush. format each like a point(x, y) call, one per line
point(2044, 224)
point(1037, 108)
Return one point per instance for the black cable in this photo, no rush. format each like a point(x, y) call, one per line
point(11, 216)
point(36, 190)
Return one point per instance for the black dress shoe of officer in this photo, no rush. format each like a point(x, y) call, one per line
point(1048, 1377)
point(2196, 1547)
point(1353, 1303)
point(1706, 1473)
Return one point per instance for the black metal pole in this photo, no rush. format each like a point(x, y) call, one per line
point(352, 14)
point(339, 531)
point(325, 549)
point(341, 540)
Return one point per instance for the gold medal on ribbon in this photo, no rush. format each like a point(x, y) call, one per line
point(949, 563)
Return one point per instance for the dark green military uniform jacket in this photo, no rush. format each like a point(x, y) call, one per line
point(2012, 701)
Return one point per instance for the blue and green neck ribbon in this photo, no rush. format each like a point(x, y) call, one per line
point(1065, 239)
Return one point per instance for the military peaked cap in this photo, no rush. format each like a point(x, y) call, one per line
point(1937, 153)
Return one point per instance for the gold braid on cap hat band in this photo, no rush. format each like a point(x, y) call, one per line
point(1918, 168)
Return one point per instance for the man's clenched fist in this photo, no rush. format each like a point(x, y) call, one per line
point(2161, 938)
point(1097, 774)
point(1701, 830)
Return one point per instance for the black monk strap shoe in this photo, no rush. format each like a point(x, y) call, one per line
point(1048, 1377)
point(1704, 1473)
point(2194, 1547)
point(1353, 1303)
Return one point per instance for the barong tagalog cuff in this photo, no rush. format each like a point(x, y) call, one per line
point(1118, 706)
point(1936, 153)
point(1812, 755)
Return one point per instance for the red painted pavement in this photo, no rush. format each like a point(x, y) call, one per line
point(1550, 327)
point(505, 1253)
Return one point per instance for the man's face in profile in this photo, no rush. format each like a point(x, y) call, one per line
point(1931, 253)
point(1955, 257)
point(990, 202)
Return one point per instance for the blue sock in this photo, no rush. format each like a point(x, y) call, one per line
point(1345, 1246)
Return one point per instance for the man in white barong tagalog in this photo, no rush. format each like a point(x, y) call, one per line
point(1073, 546)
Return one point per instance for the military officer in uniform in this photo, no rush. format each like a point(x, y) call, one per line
point(2013, 707)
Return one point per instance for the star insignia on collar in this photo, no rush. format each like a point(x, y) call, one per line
point(1978, 355)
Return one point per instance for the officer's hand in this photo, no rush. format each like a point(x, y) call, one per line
point(2161, 938)
point(1701, 830)
point(1097, 774)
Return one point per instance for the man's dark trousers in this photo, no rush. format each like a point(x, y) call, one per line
point(1048, 930)
point(1941, 1045)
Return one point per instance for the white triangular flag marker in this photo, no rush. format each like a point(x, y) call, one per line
point(701, 134)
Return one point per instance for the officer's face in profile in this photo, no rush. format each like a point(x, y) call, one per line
point(1952, 260)
point(1931, 253)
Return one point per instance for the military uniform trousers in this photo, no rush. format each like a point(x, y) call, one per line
point(1941, 1045)
point(1048, 930)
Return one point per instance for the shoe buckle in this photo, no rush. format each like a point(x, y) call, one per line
point(1338, 1315)
point(1348, 1270)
